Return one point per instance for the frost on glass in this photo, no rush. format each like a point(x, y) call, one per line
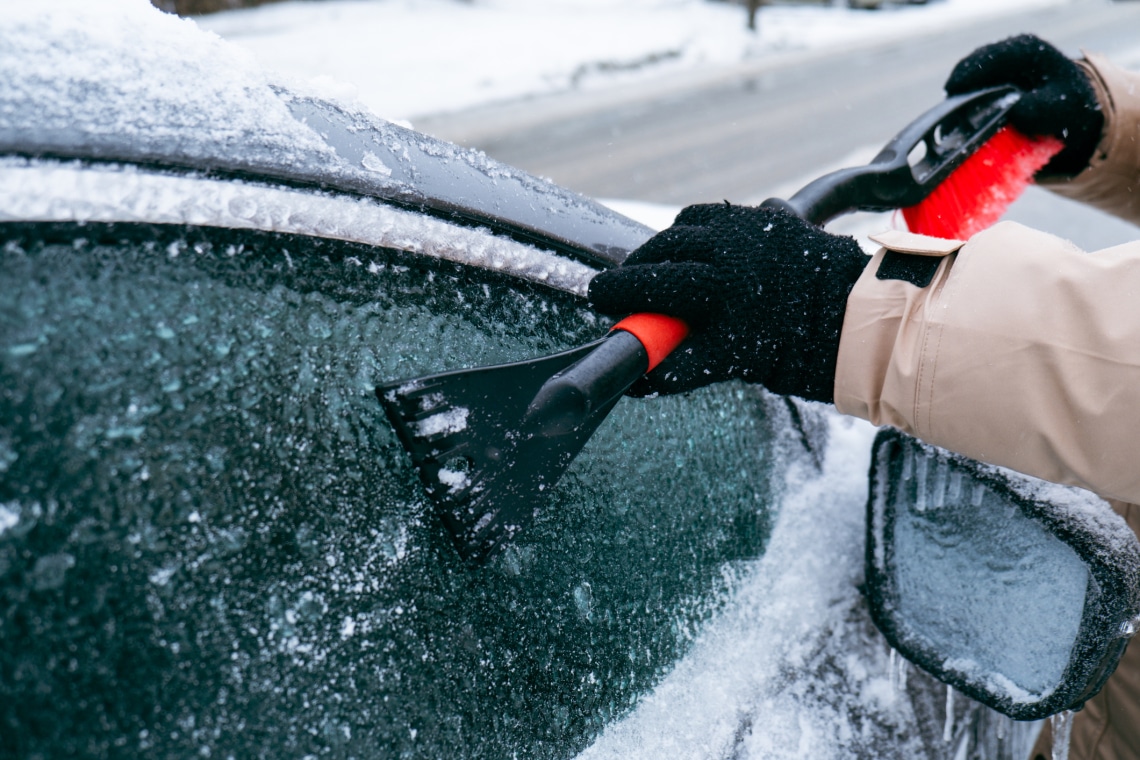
point(52, 191)
point(212, 544)
point(991, 590)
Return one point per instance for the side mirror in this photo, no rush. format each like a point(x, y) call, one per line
point(1018, 593)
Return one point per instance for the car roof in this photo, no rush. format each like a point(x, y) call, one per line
point(144, 88)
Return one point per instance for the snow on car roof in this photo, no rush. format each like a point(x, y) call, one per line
point(122, 81)
point(123, 70)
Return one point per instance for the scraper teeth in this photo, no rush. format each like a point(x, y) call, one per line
point(462, 429)
point(419, 404)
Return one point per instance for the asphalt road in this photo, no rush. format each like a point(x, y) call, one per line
point(765, 128)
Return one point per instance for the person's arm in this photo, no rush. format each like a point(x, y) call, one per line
point(1112, 180)
point(1023, 351)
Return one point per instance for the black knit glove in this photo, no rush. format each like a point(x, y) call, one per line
point(1059, 99)
point(763, 291)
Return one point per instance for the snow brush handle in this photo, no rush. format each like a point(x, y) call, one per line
point(658, 334)
point(980, 190)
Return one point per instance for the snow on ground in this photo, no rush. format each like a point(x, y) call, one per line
point(409, 58)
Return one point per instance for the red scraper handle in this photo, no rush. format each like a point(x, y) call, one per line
point(658, 333)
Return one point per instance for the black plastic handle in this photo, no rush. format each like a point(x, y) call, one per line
point(569, 399)
point(948, 134)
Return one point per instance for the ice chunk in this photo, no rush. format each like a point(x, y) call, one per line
point(455, 480)
point(163, 575)
point(373, 163)
point(449, 422)
point(1062, 725)
point(50, 571)
point(948, 723)
point(9, 516)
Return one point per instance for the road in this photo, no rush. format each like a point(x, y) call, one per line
point(765, 128)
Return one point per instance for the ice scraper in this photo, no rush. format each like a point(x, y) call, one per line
point(489, 442)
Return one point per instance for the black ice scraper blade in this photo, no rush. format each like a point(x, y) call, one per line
point(487, 442)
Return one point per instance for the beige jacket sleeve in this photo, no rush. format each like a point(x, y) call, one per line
point(1024, 352)
point(1112, 181)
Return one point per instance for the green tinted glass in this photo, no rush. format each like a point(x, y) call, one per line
point(211, 542)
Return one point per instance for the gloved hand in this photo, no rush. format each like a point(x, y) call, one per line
point(763, 291)
point(1059, 99)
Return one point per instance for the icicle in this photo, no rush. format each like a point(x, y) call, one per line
point(955, 489)
point(897, 671)
point(948, 727)
point(938, 495)
point(1002, 725)
point(1062, 725)
point(920, 494)
point(963, 752)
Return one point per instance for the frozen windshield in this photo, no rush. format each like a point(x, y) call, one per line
point(212, 544)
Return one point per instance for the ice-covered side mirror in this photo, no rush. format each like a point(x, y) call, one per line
point(1019, 593)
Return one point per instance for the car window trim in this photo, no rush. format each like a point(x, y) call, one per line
point(46, 190)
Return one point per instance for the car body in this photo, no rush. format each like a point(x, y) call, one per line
point(211, 542)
